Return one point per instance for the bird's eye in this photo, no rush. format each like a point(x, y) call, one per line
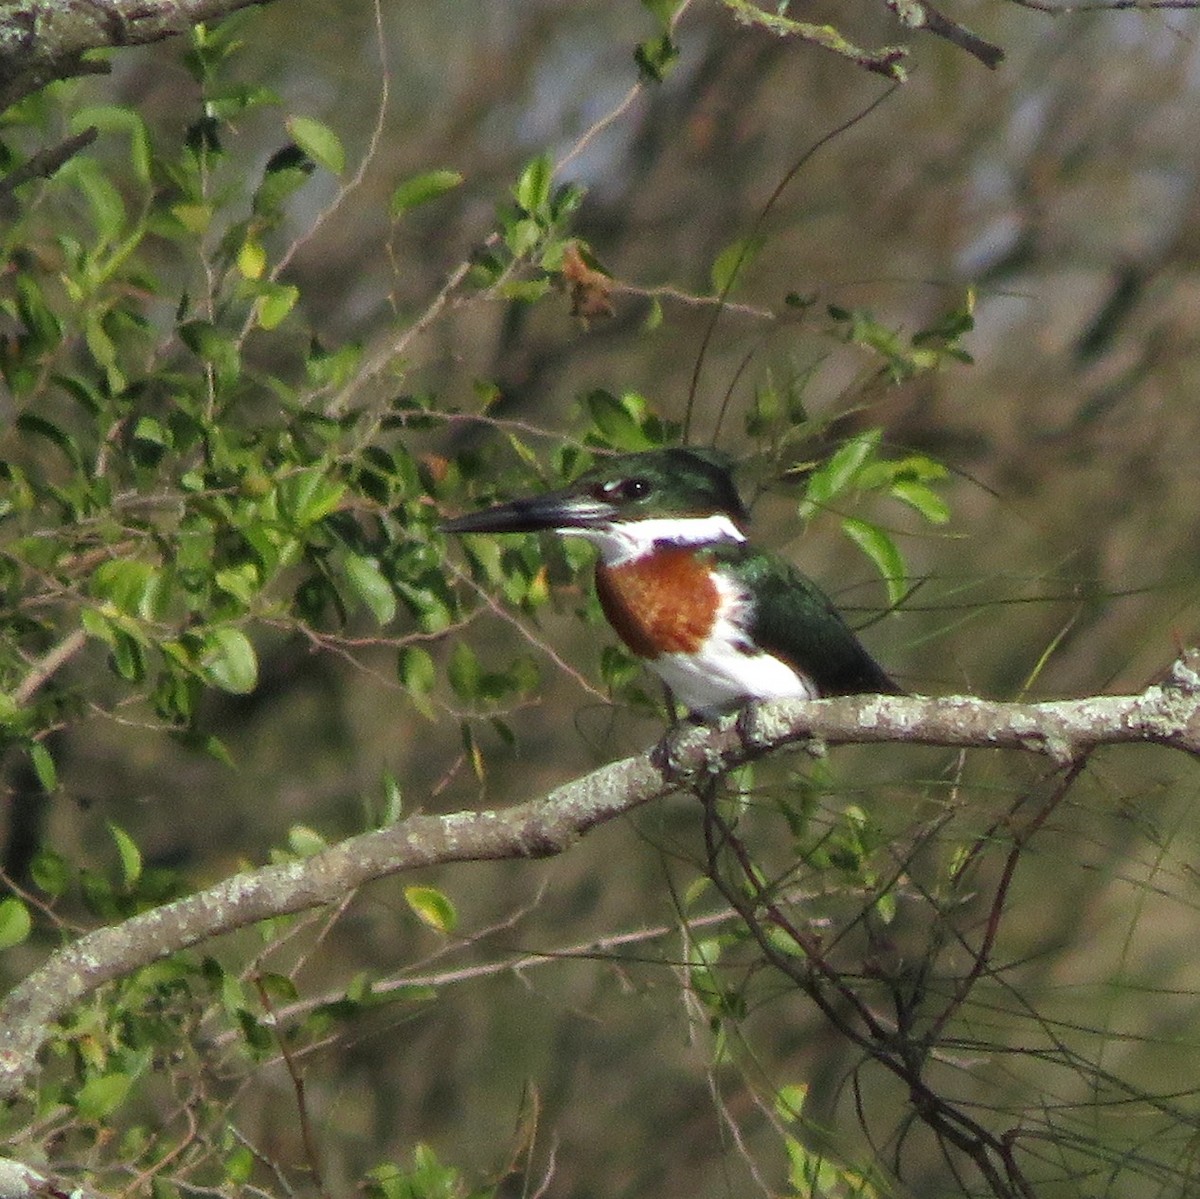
point(623, 490)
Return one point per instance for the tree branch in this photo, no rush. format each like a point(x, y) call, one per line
point(1164, 714)
point(45, 40)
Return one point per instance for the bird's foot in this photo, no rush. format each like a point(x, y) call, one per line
point(683, 751)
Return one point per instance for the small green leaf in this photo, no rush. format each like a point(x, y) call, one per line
point(15, 922)
point(319, 142)
point(393, 800)
point(276, 302)
point(251, 259)
point(43, 767)
point(100, 1097)
point(655, 57)
point(882, 550)
point(30, 422)
point(418, 674)
point(309, 496)
point(371, 586)
point(525, 291)
point(464, 671)
point(616, 421)
point(239, 1165)
point(128, 852)
point(420, 189)
point(229, 660)
point(836, 474)
point(112, 118)
point(732, 261)
point(433, 908)
point(50, 872)
point(304, 841)
point(533, 187)
point(924, 499)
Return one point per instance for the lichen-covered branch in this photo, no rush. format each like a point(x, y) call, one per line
point(1164, 714)
point(44, 40)
point(887, 61)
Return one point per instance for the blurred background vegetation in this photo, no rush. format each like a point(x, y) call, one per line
point(1043, 217)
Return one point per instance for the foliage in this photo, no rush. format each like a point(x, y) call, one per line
point(197, 472)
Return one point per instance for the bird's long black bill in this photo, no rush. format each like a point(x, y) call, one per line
point(556, 510)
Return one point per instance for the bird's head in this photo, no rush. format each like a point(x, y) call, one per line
point(627, 505)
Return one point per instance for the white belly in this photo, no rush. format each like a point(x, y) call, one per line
point(721, 677)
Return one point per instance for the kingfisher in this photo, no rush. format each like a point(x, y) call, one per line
point(719, 621)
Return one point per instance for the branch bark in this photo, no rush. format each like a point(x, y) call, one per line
point(45, 40)
point(1164, 714)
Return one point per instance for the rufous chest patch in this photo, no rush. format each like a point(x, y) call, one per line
point(665, 602)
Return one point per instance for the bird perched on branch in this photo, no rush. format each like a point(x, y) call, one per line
point(720, 622)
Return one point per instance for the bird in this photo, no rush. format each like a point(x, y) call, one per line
point(721, 622)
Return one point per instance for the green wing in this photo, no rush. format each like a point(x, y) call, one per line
point(795, 620)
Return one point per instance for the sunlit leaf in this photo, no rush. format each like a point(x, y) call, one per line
point(101, 1096)
point(43, 767)
point(319, 142)
point(371, 586)
point(304, 841)
point(129, 854)
point(15, 922)
point(420, 189)
point(229, 660)
point(732, 261)
point(433, 907)
point(532, 191)
point(883, 551)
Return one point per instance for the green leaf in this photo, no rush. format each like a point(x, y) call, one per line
point(276, 302)
point(525, 291)
point(50, 872)
point(100, 1097)
point(111, 118)
point(789, 1101)
point(43, 767)
point(924, 499)
point(239, 1165)
point(616, 420)
point(420, 189)
point(393, 806)
point(371, 586)
point(15, 922)
point(433, 908)
point(304, 841)
point(882, 550)
point(128, 852)
point(836, 474)
point(533, 187)
point(308, 496)
point(732, 261)
point(251, 259)
point(464, 671)
point(108, 209)
point(229, 661)
point(127, 584)
point(319, 142)
point(31, 423)
point(656, 56)
point(418, 674)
